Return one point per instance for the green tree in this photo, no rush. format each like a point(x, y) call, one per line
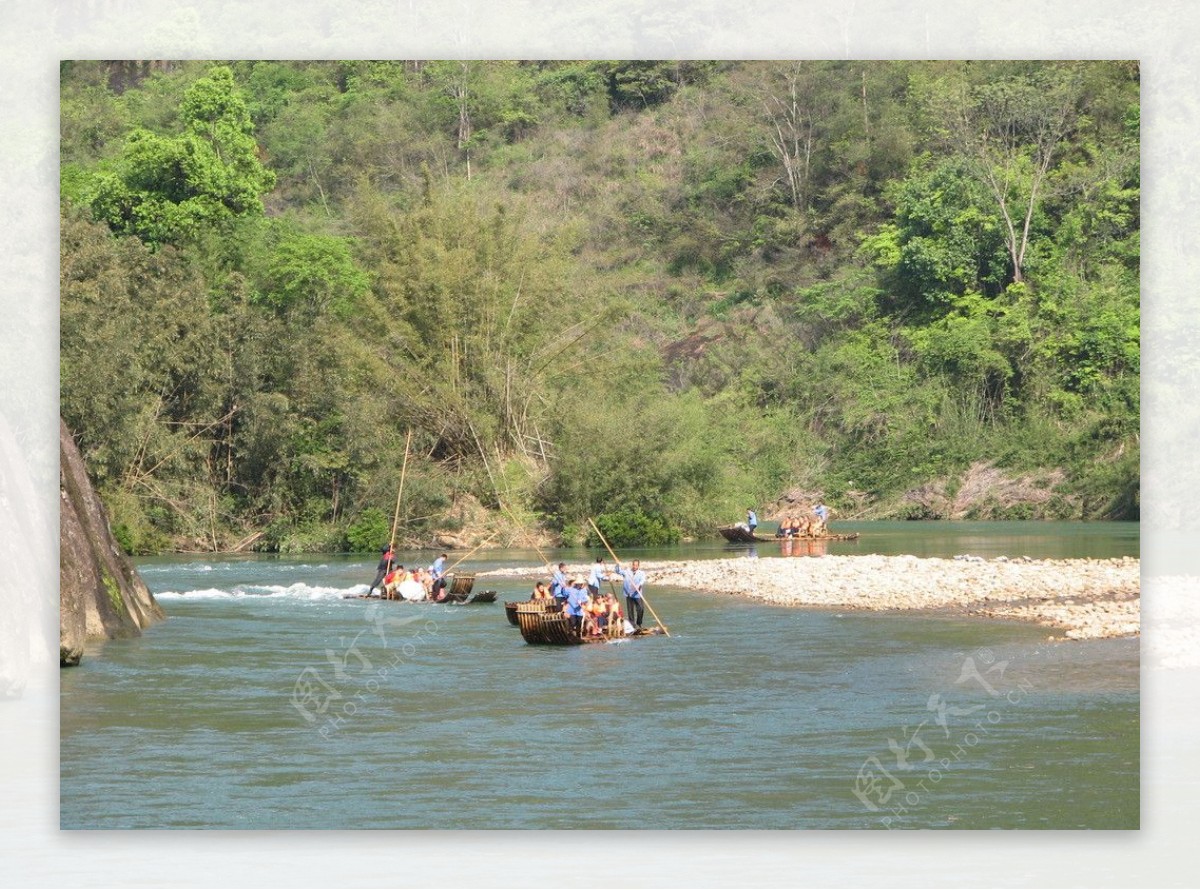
point(311, 274)
point(1011, 131)
point(137, 365)
point(166, 189)
point(943, 240)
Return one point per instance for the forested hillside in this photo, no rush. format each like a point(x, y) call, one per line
point(656, 292)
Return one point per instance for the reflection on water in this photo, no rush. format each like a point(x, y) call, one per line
point(803, 547)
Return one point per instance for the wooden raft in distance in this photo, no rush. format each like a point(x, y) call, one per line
point(736, 535)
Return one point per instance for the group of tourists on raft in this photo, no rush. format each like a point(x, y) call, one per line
point(396, 582)
point(804, 526)
point(792, 526)
point(591, 612)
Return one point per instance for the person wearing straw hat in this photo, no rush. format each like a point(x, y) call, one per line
point(577, 599)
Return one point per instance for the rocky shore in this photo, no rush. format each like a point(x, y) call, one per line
point(1081, 598)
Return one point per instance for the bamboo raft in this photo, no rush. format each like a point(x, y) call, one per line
point(478, 598)
point(555, 629)
point(737, 535)
point(850, 536)
point(457, 594)
point(538, 606)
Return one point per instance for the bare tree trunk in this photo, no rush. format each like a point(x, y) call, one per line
point(792, 135)
point(866, 117)
point(462, 95)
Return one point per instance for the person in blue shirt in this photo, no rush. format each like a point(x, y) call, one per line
point(577, 598)
point(822, 513)
point(558, 581)
point(596, 576)
point(751, 520)
point(437, 571)
point(633, 582)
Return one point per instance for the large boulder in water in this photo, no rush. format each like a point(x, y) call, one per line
point(101, 595)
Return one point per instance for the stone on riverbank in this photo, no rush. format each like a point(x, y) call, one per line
point(1087, 598)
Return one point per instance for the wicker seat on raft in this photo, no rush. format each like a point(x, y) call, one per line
point(538, 606)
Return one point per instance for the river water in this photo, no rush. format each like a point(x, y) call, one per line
point(268, 700)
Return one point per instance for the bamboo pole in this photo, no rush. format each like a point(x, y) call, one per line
point(528, 537)
point(400, 492)
point(469, 552)
point(617, 560)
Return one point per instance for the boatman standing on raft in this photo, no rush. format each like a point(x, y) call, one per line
point(558, 581)
point(751, 519)
point(438, 572)
point(385, 565)
point(596, 576)
point(822, 513)
point(634, 579)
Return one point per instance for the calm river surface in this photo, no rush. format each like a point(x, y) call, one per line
point(267, 700)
